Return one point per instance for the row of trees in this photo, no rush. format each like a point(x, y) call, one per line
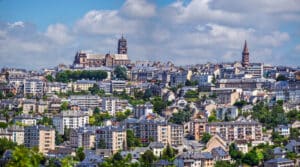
point(146, 160)
point(270, 117)
point(67, 76)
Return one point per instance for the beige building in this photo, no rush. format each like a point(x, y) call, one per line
point(227, 96)
point(25, 120)
point(29, 105)
point(4, 133)
point(216, 141)
point(198, 128)
point(248, 130)
point(170, 134)
point(82, 85)
point(17, 134)
point(114, 138)
point(83, 137)
point(42, 137)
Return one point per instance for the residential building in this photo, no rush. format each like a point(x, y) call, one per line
point(56, 87)
point(33, 87)
point(85, 101)
point(248, 130)
point(17, 134)
point(283, 130)
point(83, 137)
point(70, 119)
point(157, 148)
point(255, 70)
point(83, 85)
point(113, 137)
point(4, 133)
point(25, 119)
point(29, 105)
point(216, 141)
point(143, 110)
point(227, 113)
point(178, 78)
point(279, 162)
point(113, 105)
point(42, 137)
point(118, 86)
point(226, 96)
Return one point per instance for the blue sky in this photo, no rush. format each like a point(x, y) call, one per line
point(37, 34)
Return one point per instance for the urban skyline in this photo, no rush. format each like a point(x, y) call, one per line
point(184, 32)
point(150, 83)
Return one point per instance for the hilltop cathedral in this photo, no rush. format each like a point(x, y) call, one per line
point(84, 59)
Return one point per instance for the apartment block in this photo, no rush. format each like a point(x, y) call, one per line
point(42, 137)
point(70, 119)
point(85, 101)
point(113, 137)
point(83, 137)
point(248, 130)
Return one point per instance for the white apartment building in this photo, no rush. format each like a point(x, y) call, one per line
point(70, 119)
point(113, 105)
point(33, 87)
point(85, 101)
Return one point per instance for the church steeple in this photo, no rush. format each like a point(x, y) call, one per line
point(245, 55)
point(122, 45)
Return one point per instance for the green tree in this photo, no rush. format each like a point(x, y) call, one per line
point(294, 133)
point(1, 95)
point(67, 76)
point(68, 161)
point(240, 104)
point(120, 116)
point(251, 158)
point(191, 94)
point(49, 78)
point(58, 138)
point(64, 106)
point(25, 157)
point(121, 72)
point(101, 144)
point(181, 117)
point(235, 153)
point(158, 105)
point(223, 164)
point(148, 93)
point(281, 78)
point(293, 115)
point(45, 121)
point(205, 138)
point(80, 154)
point(95, 90)
point(132, 141)
point(96, 110)
point(168, 153)
point(147, 158)
point(3, 125)
point(6, 144)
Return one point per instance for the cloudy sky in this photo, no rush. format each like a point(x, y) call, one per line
point(36, 34)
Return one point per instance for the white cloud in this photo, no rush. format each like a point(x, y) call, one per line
point(16, 24)
point(104, 22)
point(184, 32)
point(138, 9)
point(58, 33)
point(198, 10)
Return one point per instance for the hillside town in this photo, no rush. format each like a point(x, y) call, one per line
point(107, 110)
